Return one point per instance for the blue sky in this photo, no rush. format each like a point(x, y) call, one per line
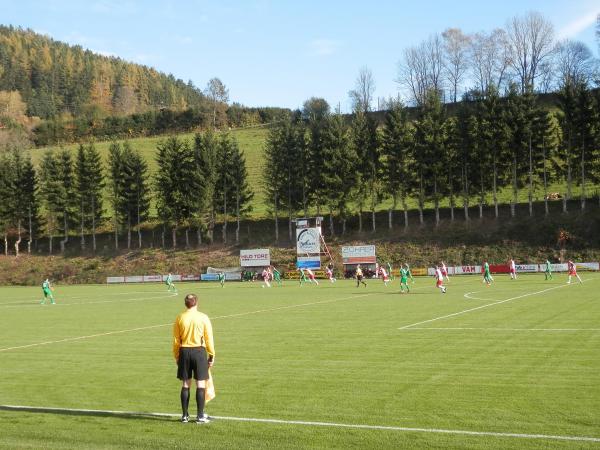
point(279, 53)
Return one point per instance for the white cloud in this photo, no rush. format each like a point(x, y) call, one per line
point(324, 47)
point(578, 25)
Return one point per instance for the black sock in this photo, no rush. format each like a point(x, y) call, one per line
point(200, 400)
point(185, 400)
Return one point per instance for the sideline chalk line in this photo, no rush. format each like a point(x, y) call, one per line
point(501, 329)
point(61, 304)
point(487, 305)
point(108, 333)
point(308, 423)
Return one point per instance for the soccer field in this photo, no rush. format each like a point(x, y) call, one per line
point(515, 365)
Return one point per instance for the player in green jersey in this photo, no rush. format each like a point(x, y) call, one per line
point(404, 271)
point(47, 290)
point(303, 278)
point(548, 270)
point(222, 278)
point(170, 286)
point(276, 275)
point(487, 276)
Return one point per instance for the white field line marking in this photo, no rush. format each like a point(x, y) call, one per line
point(78, 338)
point(104, 294)
point(101, 412)
point(58, 303)
point(471, 297)
point(486, 305)
point(501, 329)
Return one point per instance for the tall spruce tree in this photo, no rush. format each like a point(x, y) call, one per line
point(177, 184)
point(7, 206)
point(274, 175)
point(364, 140)
point(241, 192)
point(52, 195)
point(338, 172)
point(22, 197)
point(397, 144)
point(69, 198)
point(429, 150)
point(496, 138)
point(206, 153)
point(586, 127)
point(90, 184)
point(567, 106)
point(519, 109)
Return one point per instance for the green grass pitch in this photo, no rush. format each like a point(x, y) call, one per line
point(521, 359)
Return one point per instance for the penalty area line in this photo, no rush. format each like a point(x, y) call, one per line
point(487, 305)
point(100, 412)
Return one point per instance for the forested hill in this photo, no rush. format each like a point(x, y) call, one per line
point(54, 78)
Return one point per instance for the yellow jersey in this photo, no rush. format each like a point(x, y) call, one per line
point(192, 329)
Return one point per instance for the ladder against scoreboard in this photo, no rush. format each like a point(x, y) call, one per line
point(310, 243)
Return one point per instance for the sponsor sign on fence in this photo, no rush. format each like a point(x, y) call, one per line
point(134, 279)
point(255, 257)
point(209, 277)
point(115, 279)
point(308, 240)
point(153, 278)
point(190, 277)
point(418, 271)
point(467, 270)
point(588, 266)
point(358, 254)
point(526, 267)
point(309, 262)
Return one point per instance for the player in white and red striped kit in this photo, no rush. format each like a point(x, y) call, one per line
point(512, 269)
point(572, 271)
point(329, 272)
point(439, 280)
point(384, 275)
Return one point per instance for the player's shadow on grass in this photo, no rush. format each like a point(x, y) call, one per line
point(91, 413)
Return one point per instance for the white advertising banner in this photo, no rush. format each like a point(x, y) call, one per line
point(115, 279)
point(358, 254)
point(152, 278)
point(134, 279)
point(308, 240)
point(555, 267)
point(588, 266)
point(173, 277)
point(466, 270)
point(255, 257)
point(190, 277)
point(526, 267)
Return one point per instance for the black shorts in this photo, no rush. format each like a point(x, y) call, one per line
point(359, 277)
point(193, 363)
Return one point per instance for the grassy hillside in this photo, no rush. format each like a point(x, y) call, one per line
point(250, 140)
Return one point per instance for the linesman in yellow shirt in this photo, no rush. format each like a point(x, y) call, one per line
point(194, 351)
